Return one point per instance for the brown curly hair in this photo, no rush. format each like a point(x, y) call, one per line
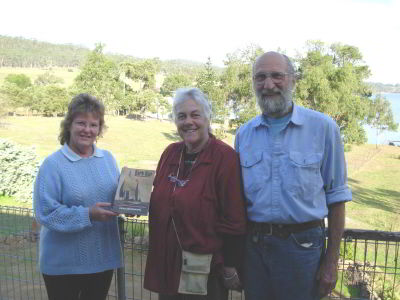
point(82, 103)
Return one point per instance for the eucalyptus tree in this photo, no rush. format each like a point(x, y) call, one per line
point(100, 77)
point(331, 80)
point(236, 81)
point(210, 83)
point(16, 91)
point(142, 95)
point(174, 81)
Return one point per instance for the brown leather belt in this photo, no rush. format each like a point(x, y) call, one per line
point(281, 230)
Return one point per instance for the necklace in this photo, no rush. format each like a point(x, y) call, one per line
point(190, 160)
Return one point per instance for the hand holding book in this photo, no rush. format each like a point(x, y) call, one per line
point(133, 192)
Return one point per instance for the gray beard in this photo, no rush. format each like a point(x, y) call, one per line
point(275, 107)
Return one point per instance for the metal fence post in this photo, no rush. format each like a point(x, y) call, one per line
point(121, 271)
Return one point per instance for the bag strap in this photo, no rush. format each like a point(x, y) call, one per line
point(172, 217)
point(176, 232)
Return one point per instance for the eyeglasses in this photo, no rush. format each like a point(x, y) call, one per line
point(276, 77)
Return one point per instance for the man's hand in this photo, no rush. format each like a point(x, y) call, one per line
point(326, 277)
point(327, 273)
point(231, 279)
point(97, 213)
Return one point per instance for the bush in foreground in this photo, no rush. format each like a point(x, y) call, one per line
point(18, 168)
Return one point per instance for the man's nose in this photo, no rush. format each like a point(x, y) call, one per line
point(268, 83)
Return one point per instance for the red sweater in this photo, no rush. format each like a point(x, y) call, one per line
point(209, 212)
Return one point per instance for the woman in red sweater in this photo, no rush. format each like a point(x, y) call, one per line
point(197, 205)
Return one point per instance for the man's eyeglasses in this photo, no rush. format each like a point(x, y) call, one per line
point(276, 77)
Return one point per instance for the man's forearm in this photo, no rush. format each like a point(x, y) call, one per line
point(336, 220)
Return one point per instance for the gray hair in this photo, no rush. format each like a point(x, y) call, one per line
point(290, 67)
point(184, 94)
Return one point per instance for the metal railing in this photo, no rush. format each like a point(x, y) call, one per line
point(369, 266)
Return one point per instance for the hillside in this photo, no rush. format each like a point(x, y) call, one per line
point(18, 52)
point(378, 87)
point(21, 52)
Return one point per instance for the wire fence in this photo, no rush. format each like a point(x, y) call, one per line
point(368, 267)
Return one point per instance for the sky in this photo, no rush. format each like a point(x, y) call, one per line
point(196, 30)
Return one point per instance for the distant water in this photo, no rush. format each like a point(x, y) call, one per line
point(386, 136)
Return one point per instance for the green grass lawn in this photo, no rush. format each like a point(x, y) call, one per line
point(136, 144)
point(374, 178)
point(33, 73)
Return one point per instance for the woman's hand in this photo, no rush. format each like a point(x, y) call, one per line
point(231, 279)
point(97, 213)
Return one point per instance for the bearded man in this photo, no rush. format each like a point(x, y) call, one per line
point(294, 176)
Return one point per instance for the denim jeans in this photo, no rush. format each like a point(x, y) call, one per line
point(283, 269)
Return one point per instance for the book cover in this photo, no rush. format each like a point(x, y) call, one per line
point(134, 191)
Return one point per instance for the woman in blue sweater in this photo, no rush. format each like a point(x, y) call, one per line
point(79, 242)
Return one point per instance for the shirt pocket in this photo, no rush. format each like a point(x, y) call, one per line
point(255, 171)
point(302, 173)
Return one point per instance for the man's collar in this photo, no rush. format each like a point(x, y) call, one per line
point(258, 121)
point(297, 116)
point(72, 156)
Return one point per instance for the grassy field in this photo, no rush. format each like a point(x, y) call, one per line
point(67, 74)
point(33, 73)
point(134, 143)
point(374, 178)
point(373, 172)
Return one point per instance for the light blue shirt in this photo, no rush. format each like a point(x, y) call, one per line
point(277, 124)
point(294, 175)
point(65, 187)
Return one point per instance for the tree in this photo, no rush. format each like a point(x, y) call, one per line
point(50, 99)
point(380, 116)
point(143, 71)
point(99, 76)
point(47, 79)
point(332, 82)
point(209, 82)
point(172, 82)
point(17, 91)
point(236, 81)
point(20, 80)
point(162, 106)
point(145, 100)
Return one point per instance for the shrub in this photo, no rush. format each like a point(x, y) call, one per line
point(347, 147)
point(220, 133)
point(18, 168)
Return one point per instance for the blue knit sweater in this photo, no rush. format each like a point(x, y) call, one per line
point(65, 187)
